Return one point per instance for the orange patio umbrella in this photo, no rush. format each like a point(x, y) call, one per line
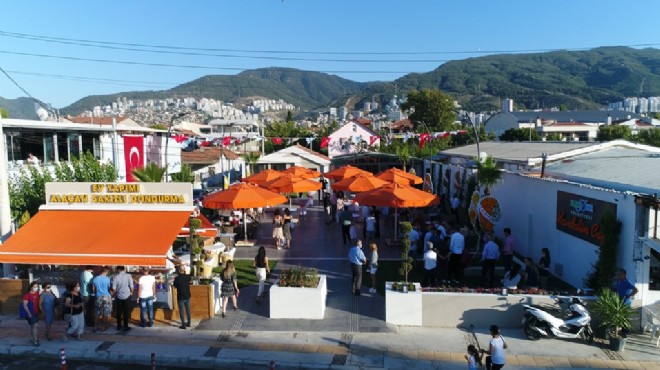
point(303, 172)
point(263, 177)
point(397, 196)
point(242, 196)
point(344, 172)
point(400, 177)
point(288, 183)
point(360, 183)
point(206, 229)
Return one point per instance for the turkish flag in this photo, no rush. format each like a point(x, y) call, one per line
point(226, 141)
point(372, 140)
point(133, 154)
point(324, 142)
point(423, 138)
point(277, 140)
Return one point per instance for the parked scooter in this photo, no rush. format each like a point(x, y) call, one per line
point(538, 323)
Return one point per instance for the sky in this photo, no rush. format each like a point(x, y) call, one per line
point(50, 48)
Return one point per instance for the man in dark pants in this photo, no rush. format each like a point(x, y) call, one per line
point(357, 259)
point(507, 250)
point(122, 286)
point(345, 218)
point(456, 245)
point(489, 257)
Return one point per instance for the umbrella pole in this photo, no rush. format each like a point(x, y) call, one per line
point(245, 238)
point(396, 222)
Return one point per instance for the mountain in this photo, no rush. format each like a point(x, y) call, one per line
point(303, 89)
point(19, 107)
point(575, 79)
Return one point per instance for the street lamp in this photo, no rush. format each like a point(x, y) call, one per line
point(167, 142)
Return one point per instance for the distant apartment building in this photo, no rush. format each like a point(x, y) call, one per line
point(637, 105)
point(343, 113)
point(507, 105)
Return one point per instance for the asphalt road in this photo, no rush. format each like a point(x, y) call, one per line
point(45, 363)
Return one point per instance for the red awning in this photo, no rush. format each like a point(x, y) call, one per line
point(91, 237)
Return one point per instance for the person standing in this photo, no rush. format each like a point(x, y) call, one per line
point(278, 235)
point(376, 213)
point(365, 212)
point(229, 287)
point(346, 219)
point(30, 311)
point(357, 259)
point(86, 289)
point(455, 204)
point(333, 207)
point(47, 301)
point(489, 257)
point(496, 357)
point(544, 267)
point(327, 208)
point(430, 266)
point(262, 269)
point(75, 305)
point(340, 207)
point(182, 285)
point(507, 251)
point(146, 297)
point(286, 227)
point(531, 273)
point(370, 226)
point(122, 286)
point(456, 246)
point(373, 266)
point(624, 288)
point(413, 236)
point(101, 284)
point(473, 358)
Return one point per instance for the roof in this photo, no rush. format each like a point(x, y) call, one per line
point(571, 116)
point(54, 237)
point(312, 152)
point(363, 121)
point(96, 120)
point(296, 150)
point(517, 151)
point(52, 125)
point(398, 125)
point(622, 168)
point(208, 155)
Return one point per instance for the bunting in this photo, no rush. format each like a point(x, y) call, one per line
point(324, 142)
point(406, 137)
point(277, 140)
point(309, 140)
point(373, 139)
point(226, 141)
point(423, 138)
point(292, 140)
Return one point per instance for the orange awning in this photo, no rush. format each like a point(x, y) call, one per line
point(206, 229)
point(90, 237)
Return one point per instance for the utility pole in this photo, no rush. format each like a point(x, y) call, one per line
point(114, 140)
point(167, 142)
point(5, 210)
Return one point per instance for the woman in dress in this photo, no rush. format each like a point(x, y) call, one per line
point(47, 301)
point(74, 305)
point(277, 228)
point(286, 227)
point(31, 310)
point(373, 266)
point(229, 287)
point(544, 267)
point(262, 268)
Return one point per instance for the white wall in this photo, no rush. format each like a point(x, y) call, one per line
point(529, 207)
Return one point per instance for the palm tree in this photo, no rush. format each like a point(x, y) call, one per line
point(403, 152)
point(488, 174)
point(185, 175)
point(251, 159)
point(150, 173)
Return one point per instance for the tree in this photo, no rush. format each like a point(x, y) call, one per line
point(185, 175)
point(600, 278)
point(4, 113)
point(251, 160)
point(488, 174)
point(150, 173)
point(289, 116)
point(613, 132)
point(649, 137)
point(402, 150)
point(159, 126)
point(406, 260)
point(553, 136)
point(520, 134)
point(432, 108)
point(283, 130)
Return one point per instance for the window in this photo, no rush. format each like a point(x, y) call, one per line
point(654, 271)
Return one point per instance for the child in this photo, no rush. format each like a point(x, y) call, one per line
point(473, 358)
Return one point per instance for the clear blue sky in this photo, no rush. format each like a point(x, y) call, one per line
point(338, 26)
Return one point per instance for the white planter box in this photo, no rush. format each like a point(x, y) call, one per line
point(403, 308)
point(298, 303)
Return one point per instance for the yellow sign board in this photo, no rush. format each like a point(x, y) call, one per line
point(136, 194)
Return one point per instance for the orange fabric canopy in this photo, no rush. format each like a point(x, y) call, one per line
point(289, 183)
point(400, 176)
point(303, 172)
point(243, 195)
point(360, 183)
point(263, 177)
point(397, 196)
point(206, 229)
point(344, 172)
point(103, 237)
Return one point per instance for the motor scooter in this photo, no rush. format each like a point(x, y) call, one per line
point(538, 323)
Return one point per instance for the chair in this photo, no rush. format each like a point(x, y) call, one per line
point(652, 322)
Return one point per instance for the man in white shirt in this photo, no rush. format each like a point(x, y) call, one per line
point(489, 257)
point(456, 246)
point(430, 266)
point(146, 297)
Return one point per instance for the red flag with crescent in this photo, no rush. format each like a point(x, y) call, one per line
point(423, 138)
point(324, 142)
point(277, 140)
point(372, 139)
point(133, 154)
point(226, 141)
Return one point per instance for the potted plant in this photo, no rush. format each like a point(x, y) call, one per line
point(615, 316)
point(406, 260)
point(300, 293)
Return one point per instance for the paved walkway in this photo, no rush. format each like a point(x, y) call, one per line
point(353, 334)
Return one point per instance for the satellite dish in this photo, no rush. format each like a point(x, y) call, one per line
point(42, 113)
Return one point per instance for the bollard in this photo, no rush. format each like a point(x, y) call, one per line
point(272, 365)
point(153, 361)
point(63, 358)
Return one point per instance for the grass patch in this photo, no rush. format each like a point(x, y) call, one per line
point(245, 272)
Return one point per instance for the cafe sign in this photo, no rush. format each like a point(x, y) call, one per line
point(138, 195)
point(579, 216)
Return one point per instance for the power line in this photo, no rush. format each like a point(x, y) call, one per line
point(307, 52)
point(96, 79)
